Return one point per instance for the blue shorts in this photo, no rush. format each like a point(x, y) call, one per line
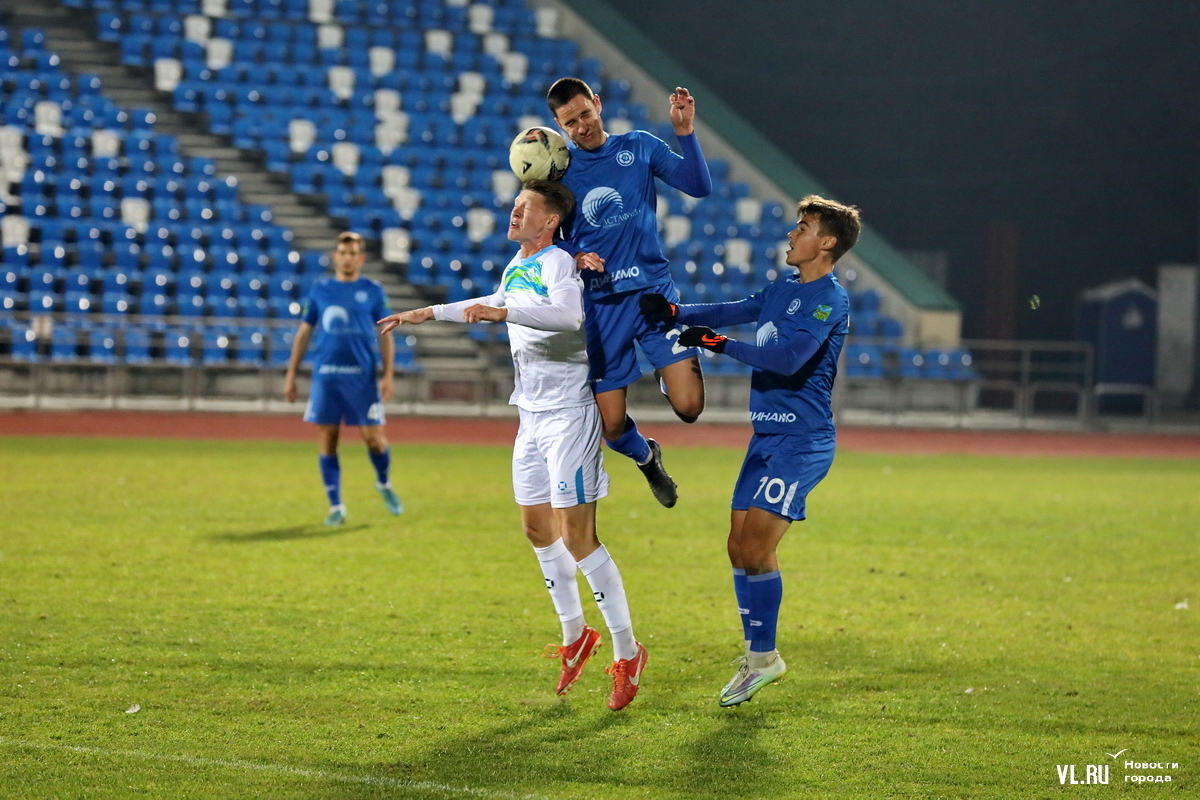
point(353, 401)
point(779, 472)
point(613, 323)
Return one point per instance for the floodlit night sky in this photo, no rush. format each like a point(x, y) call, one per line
point(1078, 121)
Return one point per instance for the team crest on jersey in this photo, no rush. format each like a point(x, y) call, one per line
point(793, 307)
point(360, 296)
point(624, 158)
point(821, 313)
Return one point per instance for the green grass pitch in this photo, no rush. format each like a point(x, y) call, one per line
point(954, 627)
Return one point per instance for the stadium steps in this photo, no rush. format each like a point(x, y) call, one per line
point(440, 348)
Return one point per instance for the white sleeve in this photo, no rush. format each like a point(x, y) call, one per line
point(565, 289)
point(453, 312)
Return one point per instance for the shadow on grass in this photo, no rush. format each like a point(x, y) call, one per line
point(311, 531)
point(556, 751)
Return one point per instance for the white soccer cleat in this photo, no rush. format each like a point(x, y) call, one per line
point(748, 680)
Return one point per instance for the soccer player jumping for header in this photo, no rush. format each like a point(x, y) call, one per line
point(558, 469)
point(614, 238)
point(349, 351)
point(802, 322)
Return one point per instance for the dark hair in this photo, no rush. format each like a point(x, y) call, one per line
point(837, 220)
point(564, 90)
point(350, 237)
point(558, 198)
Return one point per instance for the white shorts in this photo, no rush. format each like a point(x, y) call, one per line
point(557, 458)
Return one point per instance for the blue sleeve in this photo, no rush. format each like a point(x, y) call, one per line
point(381, 303)
point(722, 315)
point(309, 312)
point(689, 172)
point(785, 358)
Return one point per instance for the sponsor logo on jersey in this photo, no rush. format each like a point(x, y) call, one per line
point(604, 206)
point(624, 158)
point(793, 307)
point(334, 318)
point(766, 334)
point(821, 313)
point(772, 416)
point(605, 278)
point(339, 369)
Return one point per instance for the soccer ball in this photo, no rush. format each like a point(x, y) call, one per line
point(538, 154)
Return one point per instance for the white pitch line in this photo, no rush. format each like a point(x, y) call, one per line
point(282, 769)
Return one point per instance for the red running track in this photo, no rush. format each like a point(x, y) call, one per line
point(471, 430)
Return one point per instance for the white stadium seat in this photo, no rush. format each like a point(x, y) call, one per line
point(382, 60)
point(397, 245)
point(301, 134)
point(197, 28)
point(167, 73)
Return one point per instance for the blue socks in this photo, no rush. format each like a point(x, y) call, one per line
point(382, 463)
point(764, 594)
point(631, 443)
point(743, 600)
point(331, 476)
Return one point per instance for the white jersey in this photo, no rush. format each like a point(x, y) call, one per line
point(544, 298)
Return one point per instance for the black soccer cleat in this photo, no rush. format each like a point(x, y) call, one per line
point(661, 485)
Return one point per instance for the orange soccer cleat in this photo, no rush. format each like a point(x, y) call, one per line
point(574, 657)
point(627, 679)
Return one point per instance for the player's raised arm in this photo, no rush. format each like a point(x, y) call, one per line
point(688, 171)
point(683, 111)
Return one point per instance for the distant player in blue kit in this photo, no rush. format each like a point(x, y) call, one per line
point(343, 309)
point(614, 238)
point(802, 321)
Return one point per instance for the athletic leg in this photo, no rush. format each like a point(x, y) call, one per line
point(538, 469)
point(579, 530)
point(381, 459)
point(331, 472)
point(754, 535)
point(622, 435)
point(684, 382)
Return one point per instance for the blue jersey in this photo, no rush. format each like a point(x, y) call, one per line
point(616, 205)
point(799, 403)
point(344, 314)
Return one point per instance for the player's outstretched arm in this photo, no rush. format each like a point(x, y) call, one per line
point(481, 313)
point(414, 317)
point(721, 315)
point(784, 358)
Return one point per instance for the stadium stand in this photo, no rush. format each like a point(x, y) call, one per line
point(392, 116)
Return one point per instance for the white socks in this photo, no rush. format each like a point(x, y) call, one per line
point(608, 589)
point(558, 568)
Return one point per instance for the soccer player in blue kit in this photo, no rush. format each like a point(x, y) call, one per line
point(343, 309)
point(613, 235)
point(802, 322)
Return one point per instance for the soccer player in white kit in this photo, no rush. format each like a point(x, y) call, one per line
point(558, 470)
